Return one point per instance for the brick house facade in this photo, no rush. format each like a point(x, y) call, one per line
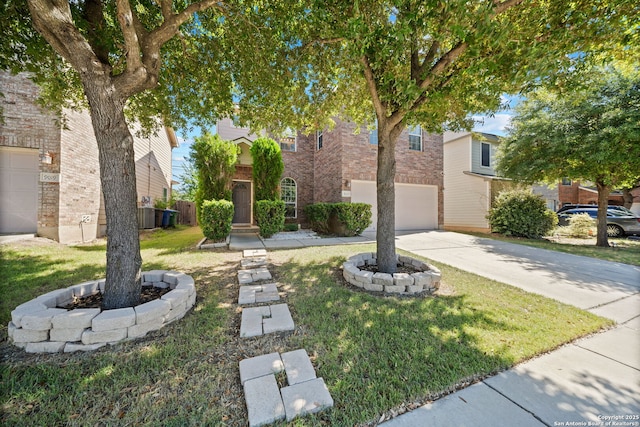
point(50, 174)
point(572, 192)
point(343, 169)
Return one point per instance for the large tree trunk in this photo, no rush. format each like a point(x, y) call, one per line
point(603, 201)
point(386, 198)
point(118, 178)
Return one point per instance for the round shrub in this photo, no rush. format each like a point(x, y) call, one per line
point(521, 213)
point(216, 217)
point(318, 216)
point(580, 225)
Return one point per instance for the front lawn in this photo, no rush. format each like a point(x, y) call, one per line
point(376, 354)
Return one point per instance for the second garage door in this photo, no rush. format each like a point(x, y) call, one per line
point(18, 190)
point(416, 205)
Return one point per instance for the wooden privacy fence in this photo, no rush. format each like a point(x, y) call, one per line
point(187, 211)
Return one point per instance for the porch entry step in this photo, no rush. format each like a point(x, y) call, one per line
point(240, 229)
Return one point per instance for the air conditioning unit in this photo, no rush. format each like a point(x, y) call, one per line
point(146, 218)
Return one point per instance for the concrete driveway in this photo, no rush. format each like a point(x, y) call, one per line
point(593, 381)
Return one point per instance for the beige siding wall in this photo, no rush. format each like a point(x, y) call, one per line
point(153, 166)
point(228, 131)
point(244, 158)
point(466, 198)
point(476, 158)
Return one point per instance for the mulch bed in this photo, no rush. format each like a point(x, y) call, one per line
point(400, 268)
point(149, 293)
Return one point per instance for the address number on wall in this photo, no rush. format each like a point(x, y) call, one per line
point(49, 177)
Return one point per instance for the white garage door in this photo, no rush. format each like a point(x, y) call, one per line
point(416, 205)
point(18, 190)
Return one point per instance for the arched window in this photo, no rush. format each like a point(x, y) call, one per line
point(289, 195)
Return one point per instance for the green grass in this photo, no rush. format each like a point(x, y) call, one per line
point(374, 353)
point(622, 250)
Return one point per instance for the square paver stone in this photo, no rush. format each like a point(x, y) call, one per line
point(248, 294)
point(253, 262)
point(248, 253)
point(298, 367)
point(268, 292)
point(260, 366)
point(251, 323)
point(244, 277)
point(306, 398)
point(280, 319)
point(261, 273)
point(264, 404)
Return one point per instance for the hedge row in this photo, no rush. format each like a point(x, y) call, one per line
point(344, 219)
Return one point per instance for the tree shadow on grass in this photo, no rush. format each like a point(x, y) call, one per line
point(378, 352)
point(178, 375)
point(22, 279)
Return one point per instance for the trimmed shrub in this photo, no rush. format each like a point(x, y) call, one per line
point(343, 219)
point(580, 225)
point(216, 217)
point(355, 217)
point(269, 216)
point(318, 216)
point(521, 213)
point(214, 160)
point(267, 168)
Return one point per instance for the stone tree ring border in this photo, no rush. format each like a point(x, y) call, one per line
point(40, 326)
point(426, 279)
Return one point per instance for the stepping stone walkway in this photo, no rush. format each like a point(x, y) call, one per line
point(253, 275)
point(258, 293)
point(265, 320)
point(266, 402)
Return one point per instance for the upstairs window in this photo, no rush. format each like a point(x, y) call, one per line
point(319, 140)
point(415, 138)
point(288, 140)
point(373, 135)
point(566, 181)
point(289, 195)
point(486, 155)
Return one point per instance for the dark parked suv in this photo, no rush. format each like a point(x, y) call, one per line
point(619, 221)
point(580, 206)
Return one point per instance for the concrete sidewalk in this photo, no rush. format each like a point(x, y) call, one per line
point(242, 241)
point(593, 381)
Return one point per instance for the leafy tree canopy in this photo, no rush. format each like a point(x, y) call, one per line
point(434, 63)
point(589, 132)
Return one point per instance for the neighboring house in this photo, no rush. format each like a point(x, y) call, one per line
point(339, 165)
point(573, 192)
point(50, 175)
point(471, 182)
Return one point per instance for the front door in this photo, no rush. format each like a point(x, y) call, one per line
point(241, 202)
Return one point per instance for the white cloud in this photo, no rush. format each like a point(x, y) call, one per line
point(495, 124)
